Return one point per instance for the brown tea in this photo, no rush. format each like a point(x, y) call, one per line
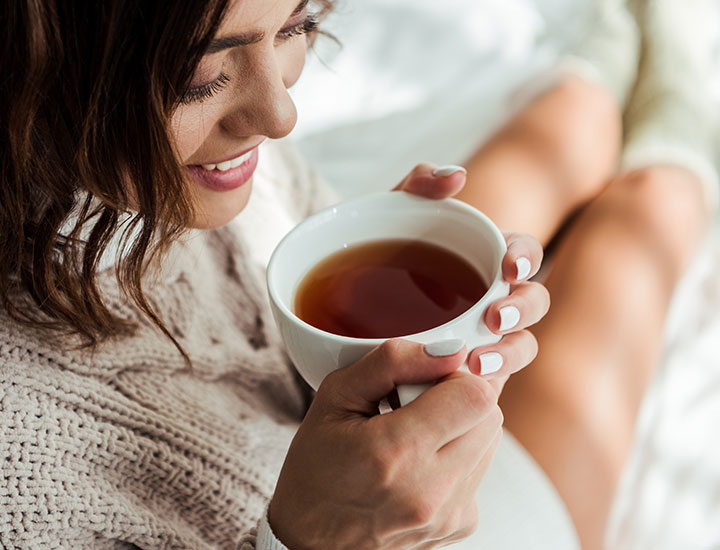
point(387, 288)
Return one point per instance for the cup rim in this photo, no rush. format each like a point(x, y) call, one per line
point(384, 195)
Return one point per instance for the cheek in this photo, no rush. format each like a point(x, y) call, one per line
point(189, 127)
point(293, 61)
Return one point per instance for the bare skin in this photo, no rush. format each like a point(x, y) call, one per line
point(613, 273)
point(553, 157)
point(612, 279)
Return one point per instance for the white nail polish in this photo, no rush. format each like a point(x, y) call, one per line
point(509, 317)
point(449, 170)
point(444, 348)
point(523, 268)
point(490, 363)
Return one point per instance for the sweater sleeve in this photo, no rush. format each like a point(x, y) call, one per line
point(266, 539)
point(672, 116)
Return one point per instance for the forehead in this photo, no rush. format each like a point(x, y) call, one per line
point(251, 15)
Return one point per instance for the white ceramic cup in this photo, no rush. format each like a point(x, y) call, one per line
point(390, 215)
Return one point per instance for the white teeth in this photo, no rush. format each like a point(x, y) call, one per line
point(228, 164)
point(241, 159)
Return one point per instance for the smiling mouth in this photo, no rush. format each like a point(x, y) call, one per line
point(226, 175)
point(228, 164)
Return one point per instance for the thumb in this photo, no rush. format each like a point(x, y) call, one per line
point(359, 387)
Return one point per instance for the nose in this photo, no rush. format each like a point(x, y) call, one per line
point(264, 106)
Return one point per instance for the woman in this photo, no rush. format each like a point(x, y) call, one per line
point(146, 401)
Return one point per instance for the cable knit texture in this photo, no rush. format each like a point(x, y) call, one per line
point(641, 51)
point(125, 447)
point(673, 115)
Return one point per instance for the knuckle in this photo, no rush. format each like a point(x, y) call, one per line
point(519, 350)
point(540, 294)
point(390, 351)
point(536, 251)
point(496, 417)
point(479, 394)
point(421, 168)
point(532, 347)
point(331, 381)
point(331, 389)
point(384, 458)
point(522, 349)
point(533, 302)
point(453, 525)
point(546, 297)
point(461, 524)
point(471, 522)
point(422, 511)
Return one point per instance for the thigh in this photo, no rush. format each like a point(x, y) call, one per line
point(611, 280)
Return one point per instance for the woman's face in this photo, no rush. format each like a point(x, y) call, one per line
point(237, 98)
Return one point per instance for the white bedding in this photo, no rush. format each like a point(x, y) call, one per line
point(423, 80)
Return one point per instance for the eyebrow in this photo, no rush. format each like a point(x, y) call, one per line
point(220, 44)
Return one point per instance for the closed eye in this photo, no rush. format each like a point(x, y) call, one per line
point(308, 26)
point(205, 91)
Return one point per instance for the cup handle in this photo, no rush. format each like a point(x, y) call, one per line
point(408, 393)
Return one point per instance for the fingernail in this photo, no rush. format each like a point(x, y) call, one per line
point(444, 348)
point(449, 170)
point(509, 317)
point(490, 363)
point(523, 268)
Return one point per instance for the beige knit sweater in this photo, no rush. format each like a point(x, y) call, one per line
point(126, 447)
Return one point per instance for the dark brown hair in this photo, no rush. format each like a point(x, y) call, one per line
point(87, 88)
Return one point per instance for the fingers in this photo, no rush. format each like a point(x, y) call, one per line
point(446, 411)
point(525, 306)
point(514, 352)
point(523, 258)
point(359, 387)
point(432, 182)
point(464, 521)
point(465, 453)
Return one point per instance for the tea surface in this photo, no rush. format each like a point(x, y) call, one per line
point(388, 288)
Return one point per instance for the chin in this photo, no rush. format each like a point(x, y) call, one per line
point(214, 209)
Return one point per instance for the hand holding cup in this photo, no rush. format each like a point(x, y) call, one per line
point(357, 479)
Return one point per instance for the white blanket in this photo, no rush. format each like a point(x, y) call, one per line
point(423, 80)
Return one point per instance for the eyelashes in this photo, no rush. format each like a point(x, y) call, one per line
point(201, 93)
point(308, 26)
point(206, 91)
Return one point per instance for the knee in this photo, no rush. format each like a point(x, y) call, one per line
point(664, 206)
point(583, 140)
point(664, 198)
point(593, 121)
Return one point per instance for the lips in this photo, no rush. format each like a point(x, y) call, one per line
point(226, 175)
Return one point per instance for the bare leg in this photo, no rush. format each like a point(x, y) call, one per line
point(552, 157)
point(612, 278)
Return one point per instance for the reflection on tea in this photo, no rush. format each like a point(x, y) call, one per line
point(388, 288)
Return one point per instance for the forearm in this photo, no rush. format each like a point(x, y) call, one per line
point(553, 156)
